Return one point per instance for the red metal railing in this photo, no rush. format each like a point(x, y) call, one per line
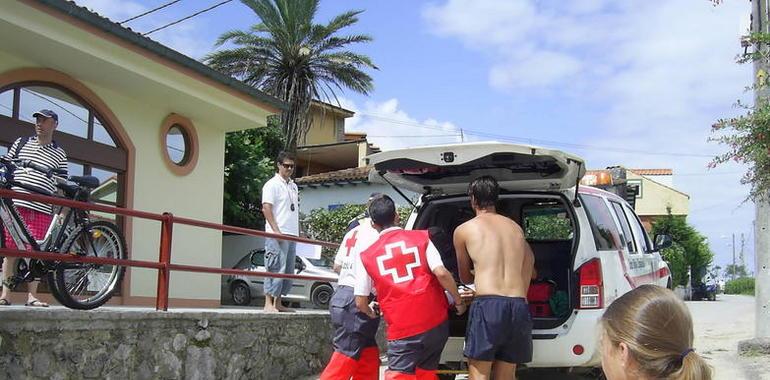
point(163, 265)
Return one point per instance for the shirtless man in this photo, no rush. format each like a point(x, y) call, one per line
point(499, 333)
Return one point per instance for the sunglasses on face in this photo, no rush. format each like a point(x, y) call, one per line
point(288, 166)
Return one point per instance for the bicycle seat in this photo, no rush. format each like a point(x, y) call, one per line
point(87, 181)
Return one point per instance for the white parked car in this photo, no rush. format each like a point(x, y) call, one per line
point(589, 245)
point(244, 289)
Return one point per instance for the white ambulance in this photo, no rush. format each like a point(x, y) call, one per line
point(589, 245)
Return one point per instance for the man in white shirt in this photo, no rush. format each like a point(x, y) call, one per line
point(280, 204)
point(355, 347)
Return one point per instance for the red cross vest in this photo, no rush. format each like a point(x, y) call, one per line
point(410, 296)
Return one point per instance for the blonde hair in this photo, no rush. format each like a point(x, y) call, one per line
point(657, 328)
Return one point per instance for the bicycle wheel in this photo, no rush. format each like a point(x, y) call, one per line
point(87, 286)
point(51, 276)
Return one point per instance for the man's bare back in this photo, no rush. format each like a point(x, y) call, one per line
point(502, 259)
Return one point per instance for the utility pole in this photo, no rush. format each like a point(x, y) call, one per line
point(760, 23)
point(741, 257)
point(732, 277)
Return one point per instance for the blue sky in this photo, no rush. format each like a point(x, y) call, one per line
point(600, 78)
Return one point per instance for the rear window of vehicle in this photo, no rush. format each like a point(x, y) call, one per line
point(603, 226)
point(546, 221)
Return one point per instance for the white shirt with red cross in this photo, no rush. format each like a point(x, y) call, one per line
point(355, 241)
point(397, 262)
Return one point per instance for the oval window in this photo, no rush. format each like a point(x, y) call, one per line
point(176, 145)
point(179, 144)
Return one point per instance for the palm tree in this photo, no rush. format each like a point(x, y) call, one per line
point(290, 57)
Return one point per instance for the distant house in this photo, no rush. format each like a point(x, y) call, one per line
point(348, 186)
point(657, 194)
point(650, 191)
point(331, 165)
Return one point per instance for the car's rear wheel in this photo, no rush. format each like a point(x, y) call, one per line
point(321, 295)
point(241, 294)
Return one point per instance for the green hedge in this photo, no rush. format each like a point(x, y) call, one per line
point(743, 285)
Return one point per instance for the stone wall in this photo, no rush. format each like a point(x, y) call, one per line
point(113, 343)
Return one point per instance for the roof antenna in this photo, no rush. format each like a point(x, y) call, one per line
point(575, 201)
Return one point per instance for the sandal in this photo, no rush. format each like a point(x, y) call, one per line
point(36, 303)
point(4, 302)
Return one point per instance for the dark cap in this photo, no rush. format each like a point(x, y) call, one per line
point(47, 113)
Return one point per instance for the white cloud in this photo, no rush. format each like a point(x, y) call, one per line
point(535, 70)
point(184, 37)
point(483, 23)
point(391, 127)
point(658, 75)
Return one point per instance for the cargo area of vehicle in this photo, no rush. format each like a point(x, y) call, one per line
point(549, 225)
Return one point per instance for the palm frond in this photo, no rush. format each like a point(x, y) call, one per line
point(291, 57)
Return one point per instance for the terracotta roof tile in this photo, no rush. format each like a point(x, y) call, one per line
point(653, 171)
point(354, 174)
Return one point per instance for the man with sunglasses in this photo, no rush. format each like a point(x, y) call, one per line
point(280, 204)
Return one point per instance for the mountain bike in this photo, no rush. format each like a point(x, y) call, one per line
point(72, 231)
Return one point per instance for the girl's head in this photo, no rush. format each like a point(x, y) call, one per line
point(647, 334)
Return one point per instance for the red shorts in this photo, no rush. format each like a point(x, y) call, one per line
point(37, 222)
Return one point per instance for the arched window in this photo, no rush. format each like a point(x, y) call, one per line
point(91, 144)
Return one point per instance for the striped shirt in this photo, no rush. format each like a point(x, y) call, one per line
point(50, 155)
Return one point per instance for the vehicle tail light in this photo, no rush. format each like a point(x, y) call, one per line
point(591, 285)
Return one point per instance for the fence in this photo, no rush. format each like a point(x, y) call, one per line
point(164, 264)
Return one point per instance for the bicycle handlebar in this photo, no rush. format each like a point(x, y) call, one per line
point(49, 172)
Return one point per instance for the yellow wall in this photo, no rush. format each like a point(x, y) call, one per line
point(141, 93)
point(656, 198)
point(323, 129)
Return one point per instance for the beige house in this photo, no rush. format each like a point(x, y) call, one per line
point(145, 119)
point(327, 147)
point(655, 193)
point(327, 124)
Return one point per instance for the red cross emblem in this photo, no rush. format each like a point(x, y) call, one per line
point(351, 242)
point(399, 262)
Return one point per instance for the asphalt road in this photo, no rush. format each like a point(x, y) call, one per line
point(719, 326)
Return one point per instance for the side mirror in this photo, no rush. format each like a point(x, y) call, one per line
point(662, 241)
point(299, 266)
point(258, 257)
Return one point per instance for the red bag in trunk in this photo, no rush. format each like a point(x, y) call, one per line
point(540, 291)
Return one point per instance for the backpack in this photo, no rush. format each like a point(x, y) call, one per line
point(23, 141)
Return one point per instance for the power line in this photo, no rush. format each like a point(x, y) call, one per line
point(705, 174)
point(54, 103)
point(410, 136)
point(583, 146)
point(528, 140)
point(148, 12)
point(188, 17)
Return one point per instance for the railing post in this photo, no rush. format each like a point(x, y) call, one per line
point(166, 227)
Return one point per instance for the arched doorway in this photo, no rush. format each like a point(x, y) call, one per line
point(94, 138)
point(92, 145)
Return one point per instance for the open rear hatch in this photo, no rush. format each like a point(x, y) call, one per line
point(448, 169)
